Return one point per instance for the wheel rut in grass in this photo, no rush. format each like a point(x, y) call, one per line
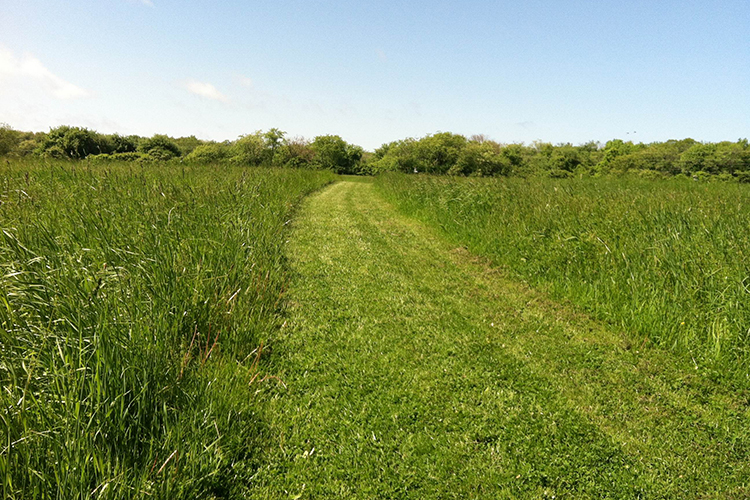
point(414, 370)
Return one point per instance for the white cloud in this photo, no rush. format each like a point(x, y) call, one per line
point(245, 81)
point(205, 90)
point(147, 3)
point(25, 70)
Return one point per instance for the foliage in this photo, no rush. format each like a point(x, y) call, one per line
point(480, 159)
point(333, 153)
point(250, 149)
point(9, 139)
point(122, 143)
point(73, 142)
point(295, 152)
point(187, 145)
point(210, 153)
point(440, 153)
point(160, 147)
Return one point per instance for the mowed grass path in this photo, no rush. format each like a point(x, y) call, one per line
point(413, 370)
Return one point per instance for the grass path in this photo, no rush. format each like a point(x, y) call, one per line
point(414, 370)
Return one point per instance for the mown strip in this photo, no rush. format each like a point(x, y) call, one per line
point(667, 261)
point(134, 302)
point(412, 370)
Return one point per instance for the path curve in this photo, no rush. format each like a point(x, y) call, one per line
point(416, 371)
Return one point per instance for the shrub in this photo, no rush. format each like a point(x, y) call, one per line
point(210, 153)
point(249, 150)
point(8, 139)
point(335, 154)
point(159, 147)
point(72, 142)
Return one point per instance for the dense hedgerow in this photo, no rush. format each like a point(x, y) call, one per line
point(271, 148)
point(669, 261)
point(452, 154)
point(135, 304)
point(440, 153)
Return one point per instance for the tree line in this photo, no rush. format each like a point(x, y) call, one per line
point(441, 153)
point(273, 148)
point(453, 154)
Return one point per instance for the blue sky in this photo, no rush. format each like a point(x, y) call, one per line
point(373, 72)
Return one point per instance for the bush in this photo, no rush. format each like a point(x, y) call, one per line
point(701, 176)
point(72, 142)
point(8, 139)
point(295, 152)
point(159, 147)
point(209, 153)
point(335, 154)
point(480, 160)
point(249, 150)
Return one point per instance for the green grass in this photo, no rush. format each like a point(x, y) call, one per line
point(668, 261)
point(169, 332)
point(412, 369)
point(134, 302)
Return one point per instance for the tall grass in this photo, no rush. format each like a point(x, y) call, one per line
point(134, 304)
point(669, 260)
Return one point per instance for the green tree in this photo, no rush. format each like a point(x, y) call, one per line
point(73, 142)
point(123, 144)
point(334, 153)
point(187, 144)
point(9, 139)
point(480, 159)
point(210, 153)
point(295, 152)
point(273, 139)
point(160, 147)
point(249, 149)
point(439, 152)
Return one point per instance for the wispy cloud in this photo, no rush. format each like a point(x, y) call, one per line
point(147, 3)
point(28, 69)
point(205, 90)
point(245, 81)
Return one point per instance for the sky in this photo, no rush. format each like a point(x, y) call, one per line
point(374, 72)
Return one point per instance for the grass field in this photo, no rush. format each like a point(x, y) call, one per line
point(219, 332)
point(415, 370)
point(667, 261)
point(134, 302)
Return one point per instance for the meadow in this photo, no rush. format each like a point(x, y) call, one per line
point(135, 307)
point(184, 330)
point(666, 261)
